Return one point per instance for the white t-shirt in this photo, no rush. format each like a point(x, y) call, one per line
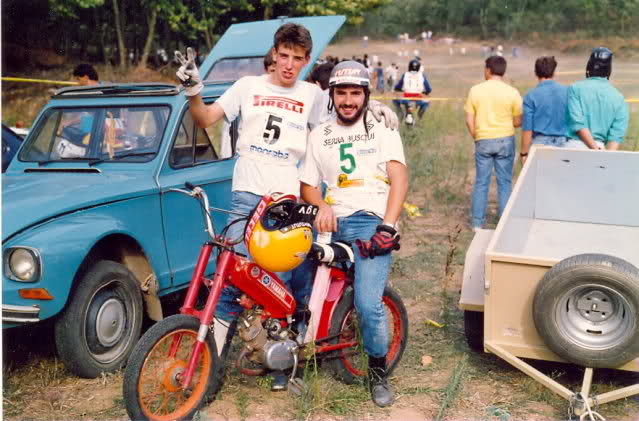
point(352, 163)
point(273, 128)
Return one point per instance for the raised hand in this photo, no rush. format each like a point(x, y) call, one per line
point(188, 73)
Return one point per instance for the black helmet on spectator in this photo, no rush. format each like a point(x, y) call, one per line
point(413, 65)
point(599, 63)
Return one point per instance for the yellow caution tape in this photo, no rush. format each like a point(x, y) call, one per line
point(22, 79)
point(412, 210)
point(419, 99)
point(434, 323)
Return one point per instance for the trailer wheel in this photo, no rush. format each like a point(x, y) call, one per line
point(474, 329)
point(586, 309)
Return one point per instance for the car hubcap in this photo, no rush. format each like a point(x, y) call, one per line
point(110, 322)
point(594, 316)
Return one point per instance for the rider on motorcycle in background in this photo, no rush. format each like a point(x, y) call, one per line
point(414, 85)
point(362, 163)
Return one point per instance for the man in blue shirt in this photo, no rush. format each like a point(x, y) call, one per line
point(596, 113)
point(544, 121)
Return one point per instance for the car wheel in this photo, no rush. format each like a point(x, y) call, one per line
point(586, 309)
point(474, 329)
point(102, 321)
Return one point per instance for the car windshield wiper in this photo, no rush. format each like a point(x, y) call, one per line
point(48, 161)
point(118, 157)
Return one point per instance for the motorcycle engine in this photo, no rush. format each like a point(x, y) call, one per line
point(269, 344)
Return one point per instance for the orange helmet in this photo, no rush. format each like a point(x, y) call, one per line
point(279, 232)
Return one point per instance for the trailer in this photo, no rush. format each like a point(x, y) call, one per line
point(557, 280)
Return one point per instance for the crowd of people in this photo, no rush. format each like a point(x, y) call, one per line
point(589, 114)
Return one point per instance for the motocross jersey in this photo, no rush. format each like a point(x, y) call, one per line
point(273, 128)
point(413, 84)
point(352, 162)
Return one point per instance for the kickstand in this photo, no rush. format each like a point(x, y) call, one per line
point(296, 385)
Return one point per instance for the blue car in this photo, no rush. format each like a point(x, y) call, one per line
point(11, 141)
point(92, 239)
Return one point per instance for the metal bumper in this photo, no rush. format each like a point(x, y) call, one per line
point(20, 314)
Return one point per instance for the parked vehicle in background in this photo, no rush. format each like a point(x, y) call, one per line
point(90, 239)
point(558, 279)
point(11, 141)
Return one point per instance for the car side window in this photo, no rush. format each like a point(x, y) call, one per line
point(194, 145)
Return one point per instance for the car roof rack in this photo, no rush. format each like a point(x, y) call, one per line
point(118, 89)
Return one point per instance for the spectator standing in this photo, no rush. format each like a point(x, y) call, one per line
point(86, 75)
point(391, 73)
point(493, 110)
point(544, 121)
point(378, 77)
point(320, 76)
point(597, 116)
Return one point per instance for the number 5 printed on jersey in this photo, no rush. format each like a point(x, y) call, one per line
point(272, 130)
point(348, 165)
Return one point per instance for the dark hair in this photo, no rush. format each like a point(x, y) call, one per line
point(293, 35)
point(321, 74)
point(496, 65)
point(268, 59)
point(85, 69)
point(545, 67)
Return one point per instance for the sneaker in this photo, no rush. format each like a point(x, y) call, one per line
point(409, 119)
point(280, 381)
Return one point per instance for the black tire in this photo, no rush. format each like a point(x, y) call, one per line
point(586, 309)
point(102, 321)
point(151, 378)
point(350, 364)
point(474, 329)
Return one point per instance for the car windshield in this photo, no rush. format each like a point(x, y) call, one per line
point(123, 134)
point(231, 69)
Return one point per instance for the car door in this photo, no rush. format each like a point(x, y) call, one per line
point(194, 157)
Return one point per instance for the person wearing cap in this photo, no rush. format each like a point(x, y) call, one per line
point(362, 163)
point(544, 118)
point(596, 113)
point(274, 110)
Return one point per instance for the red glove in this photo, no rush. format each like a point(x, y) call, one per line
point(385, 240)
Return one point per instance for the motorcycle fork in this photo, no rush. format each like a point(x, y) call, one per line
point(206, 315)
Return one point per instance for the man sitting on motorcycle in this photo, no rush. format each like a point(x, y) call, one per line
point(414, 86)
point(362, 163)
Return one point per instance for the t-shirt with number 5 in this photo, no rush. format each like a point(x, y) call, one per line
point(352, 163)
point(273, 127)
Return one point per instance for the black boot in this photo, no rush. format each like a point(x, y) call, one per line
point(381, 391)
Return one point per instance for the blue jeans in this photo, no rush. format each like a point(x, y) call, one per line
point(370, 280)
point(297, 280)
point(500, 154)
point(541, 139)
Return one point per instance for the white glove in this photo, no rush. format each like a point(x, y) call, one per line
point(188, 74)
point(380, 110)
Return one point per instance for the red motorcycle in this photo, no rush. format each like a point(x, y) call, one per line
point(175, 369)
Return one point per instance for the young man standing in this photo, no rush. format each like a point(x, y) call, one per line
point(597, 115)
point(275, 111)
point(544, 121)
point(493, 110)
point(362, 162)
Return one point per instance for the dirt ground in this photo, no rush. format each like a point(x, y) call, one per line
point(439, 377)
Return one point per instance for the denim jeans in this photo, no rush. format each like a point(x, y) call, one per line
point(500, 154)
point(370, 280)
point(558, 141)
point(297, 280)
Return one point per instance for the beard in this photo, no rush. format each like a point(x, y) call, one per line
point(352, 120)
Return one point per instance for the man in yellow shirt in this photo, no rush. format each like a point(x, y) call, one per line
point(493, 110)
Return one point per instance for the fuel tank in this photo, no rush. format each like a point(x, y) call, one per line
point(264, 287)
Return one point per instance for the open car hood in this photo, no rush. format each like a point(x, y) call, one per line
point(254, 39)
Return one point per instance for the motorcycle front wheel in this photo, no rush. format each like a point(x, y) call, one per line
point(351, 364)
point(152, 380)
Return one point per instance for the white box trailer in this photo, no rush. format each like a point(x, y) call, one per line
point(557, 280)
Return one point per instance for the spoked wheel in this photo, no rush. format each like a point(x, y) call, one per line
point(152, 380)
point(351, 363)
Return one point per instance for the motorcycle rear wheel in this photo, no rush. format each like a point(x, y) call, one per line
point(151, 386)
point(351, 364)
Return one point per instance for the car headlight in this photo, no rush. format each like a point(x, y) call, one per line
point(22, 264)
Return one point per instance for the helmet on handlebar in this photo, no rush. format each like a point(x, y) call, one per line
point(279, 232)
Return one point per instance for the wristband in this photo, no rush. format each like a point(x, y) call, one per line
point(523, 154)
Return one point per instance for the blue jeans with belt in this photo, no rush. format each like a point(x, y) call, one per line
point(498, 153)
point(370, 280)
point(297, 280)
